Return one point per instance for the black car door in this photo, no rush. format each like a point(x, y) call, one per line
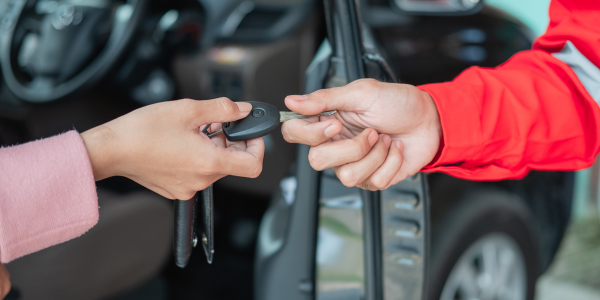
point(310, 246)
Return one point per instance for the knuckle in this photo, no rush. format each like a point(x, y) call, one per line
point(347, 177)
point(315, 160)
point(317, 166)
point(226, 106)
point(255, 170)
point(188, 105)
point(367, 88)
point(369, 84)
point(322, 93)
point(378, 183)
point(190, 109)
point(363, 148)
point(286, 132)
point(394, 159)
point(224, 100)
point(347, 184)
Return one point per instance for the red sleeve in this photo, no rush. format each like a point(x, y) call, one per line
point(531, 112)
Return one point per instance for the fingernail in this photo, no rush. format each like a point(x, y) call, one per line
point(298, 97)
point(373, 138)
point(398, 144)
point(387, 140)
point(244, 106)
point(331, 130)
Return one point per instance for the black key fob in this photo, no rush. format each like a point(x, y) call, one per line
point(263, 118)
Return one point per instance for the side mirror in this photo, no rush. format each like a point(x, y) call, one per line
point(438, 7)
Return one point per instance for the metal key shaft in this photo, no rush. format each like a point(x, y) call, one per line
point(286, 116)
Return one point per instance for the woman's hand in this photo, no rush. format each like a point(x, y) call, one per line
point(161, 147)
point(4, 282)
point(381, 134)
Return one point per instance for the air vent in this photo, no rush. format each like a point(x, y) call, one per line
point(260, 19)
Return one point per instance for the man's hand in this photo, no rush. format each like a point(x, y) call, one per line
point(4, 282)
point(381, 134)
point(161, 147)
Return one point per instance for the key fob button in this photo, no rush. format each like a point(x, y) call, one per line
point(258, 113)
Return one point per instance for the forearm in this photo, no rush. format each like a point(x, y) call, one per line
point(47, 193)
point(537, 111)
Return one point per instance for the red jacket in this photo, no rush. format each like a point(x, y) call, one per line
point(536, 111)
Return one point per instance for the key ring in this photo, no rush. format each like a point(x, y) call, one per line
point(211, 134)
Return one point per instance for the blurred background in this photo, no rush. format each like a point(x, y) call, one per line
point(79, 63)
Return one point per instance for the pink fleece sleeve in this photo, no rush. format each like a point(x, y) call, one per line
point(47, 194)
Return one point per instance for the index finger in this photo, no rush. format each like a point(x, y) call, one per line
point(352, 97)
point(217, 111)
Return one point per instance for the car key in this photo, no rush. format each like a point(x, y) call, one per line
point(261, 120)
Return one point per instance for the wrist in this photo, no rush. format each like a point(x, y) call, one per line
point(433, 125)
point(434, 122)
point(101, 151)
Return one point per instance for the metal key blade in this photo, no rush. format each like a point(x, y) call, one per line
point(289, 115)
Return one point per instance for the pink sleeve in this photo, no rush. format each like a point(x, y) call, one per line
point(47, 194)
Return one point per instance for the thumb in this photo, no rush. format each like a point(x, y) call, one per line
point(219, 110)
point(353, 97)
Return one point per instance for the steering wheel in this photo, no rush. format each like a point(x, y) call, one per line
point(52, 49)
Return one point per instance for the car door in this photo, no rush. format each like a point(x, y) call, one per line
point(322, 240)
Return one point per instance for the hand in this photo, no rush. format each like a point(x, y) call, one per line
point(161, 147)
point(381, 134)
point(4, 282)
